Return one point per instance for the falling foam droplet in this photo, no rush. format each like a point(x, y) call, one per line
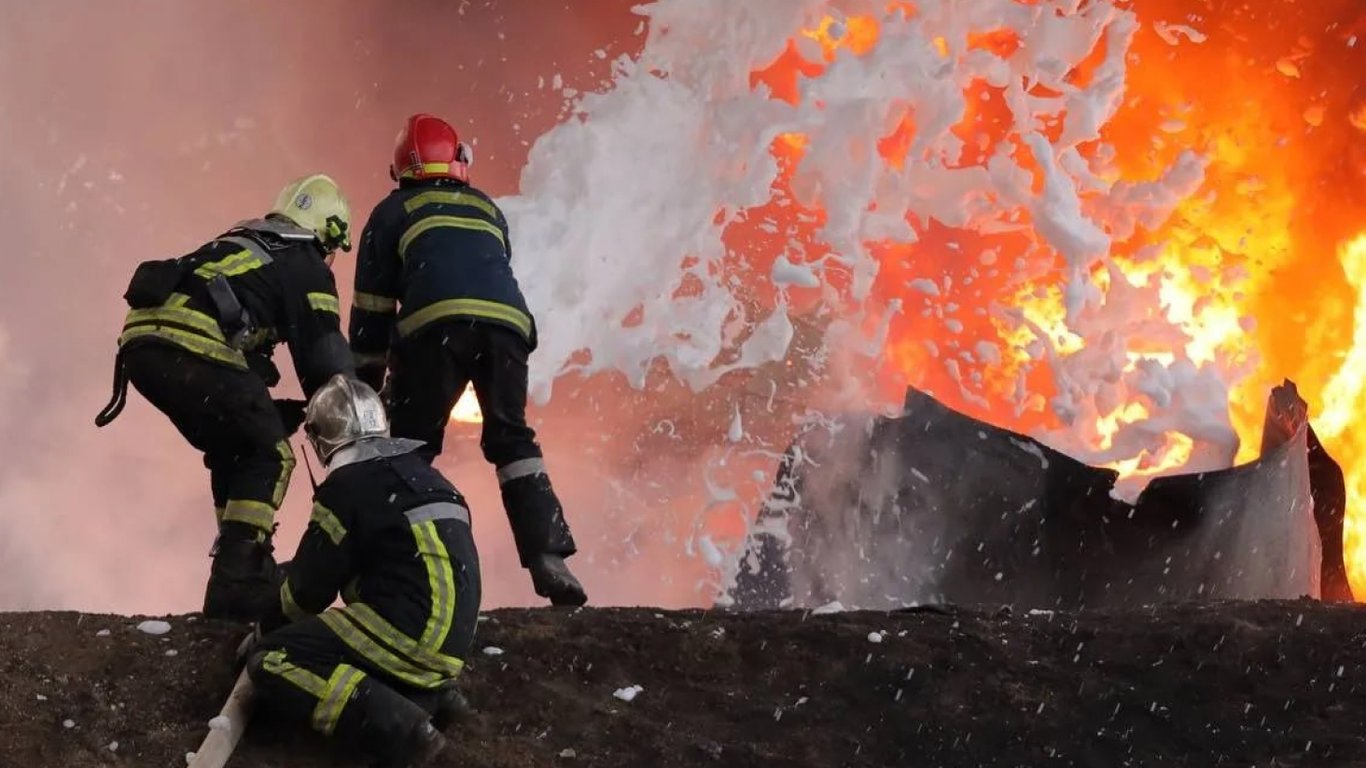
point(737, 428)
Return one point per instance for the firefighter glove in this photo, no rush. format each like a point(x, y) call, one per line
point(291, 414)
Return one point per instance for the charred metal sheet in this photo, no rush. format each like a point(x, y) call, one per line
point(934, 506)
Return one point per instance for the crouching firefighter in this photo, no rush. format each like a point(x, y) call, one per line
point(197, 343)
point(434, 275)
point(393, 537)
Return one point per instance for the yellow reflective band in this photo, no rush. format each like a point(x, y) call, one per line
point(218, 513)
point(427, 168)
point(426, 656)
point(179, 315)
point(376, 654)
point(287, 462)
point(429, 223)
point(440, 579)
point(365, 358)
point(257, 513)
point(340, 686)
point(328, 521)
point(372, 302)
point(445, 197)
point(491, 310)
point(189, 341)
point(276, 664)
point(230, 266)
point(324, 302)
point(293, 611)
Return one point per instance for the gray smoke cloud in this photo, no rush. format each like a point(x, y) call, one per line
point(139, 129)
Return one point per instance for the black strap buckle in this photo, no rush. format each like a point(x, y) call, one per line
point(232, 316)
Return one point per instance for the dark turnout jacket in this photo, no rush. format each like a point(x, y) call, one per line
point(432, 250)
point(277, 274)
point(392, 536)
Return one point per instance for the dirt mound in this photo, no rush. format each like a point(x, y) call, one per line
point(1224, 684)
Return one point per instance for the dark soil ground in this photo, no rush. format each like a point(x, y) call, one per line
point(1265, 684)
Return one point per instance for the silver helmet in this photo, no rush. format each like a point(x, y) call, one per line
point(342, 412)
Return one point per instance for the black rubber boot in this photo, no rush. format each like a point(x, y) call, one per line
point(447, 705)
point(389, 728)
point(418, 748)
point(244, 580)
point(551, 578)
point(543, 537)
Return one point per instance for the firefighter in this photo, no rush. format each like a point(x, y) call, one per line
point(197, 343)
point(393, 537)
point(438, 306)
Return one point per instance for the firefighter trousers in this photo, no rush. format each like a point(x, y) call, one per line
point(227, 414)
point(431, 369)
point(305, 673)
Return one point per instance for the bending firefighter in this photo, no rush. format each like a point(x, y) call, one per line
point(434, 277)
point(197, 343)
point(393, 537)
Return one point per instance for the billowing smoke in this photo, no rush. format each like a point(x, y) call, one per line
point(138, 130)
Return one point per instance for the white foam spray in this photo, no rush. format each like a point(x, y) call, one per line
point(623, 209)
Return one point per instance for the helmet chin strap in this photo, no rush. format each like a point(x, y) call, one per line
point(309, 466)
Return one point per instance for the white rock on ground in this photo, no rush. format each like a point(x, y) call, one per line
point(153, 627)
point(628, 693)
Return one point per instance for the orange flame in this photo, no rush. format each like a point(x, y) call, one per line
point(1358, 117)
point(1235, 270)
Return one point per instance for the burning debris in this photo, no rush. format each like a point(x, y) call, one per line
point(934, 506)
point(1030, 210)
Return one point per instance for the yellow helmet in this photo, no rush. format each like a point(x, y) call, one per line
point(317, 204)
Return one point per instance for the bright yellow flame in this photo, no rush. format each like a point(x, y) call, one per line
point(1108, 426)
point(466, 410)
point(1339, 424)
point(1173, 454)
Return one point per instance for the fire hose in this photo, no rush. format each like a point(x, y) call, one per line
point(227, 729)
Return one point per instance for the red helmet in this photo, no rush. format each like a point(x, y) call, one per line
point(429, 148)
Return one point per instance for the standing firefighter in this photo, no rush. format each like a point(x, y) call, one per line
point(197, 344)
point(393, 537)
point(434, 277)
